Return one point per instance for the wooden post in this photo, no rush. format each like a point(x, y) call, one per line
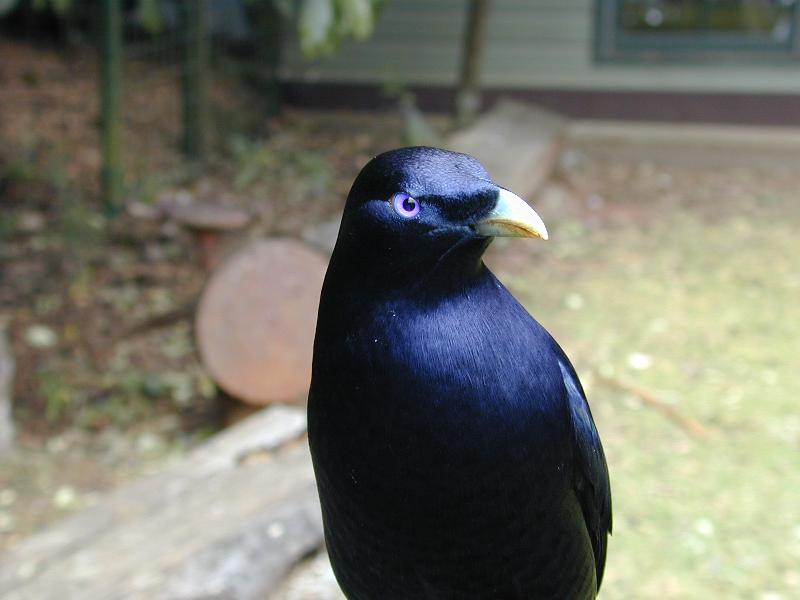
point(468, 97)
point(110, 99)
point(194, 78)
point(6, 388)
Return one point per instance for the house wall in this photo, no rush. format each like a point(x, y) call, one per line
point(533, 44)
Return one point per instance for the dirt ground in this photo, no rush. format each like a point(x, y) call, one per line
point(97, 400)
point(668, 281)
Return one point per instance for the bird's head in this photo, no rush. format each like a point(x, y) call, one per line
point(414, 210)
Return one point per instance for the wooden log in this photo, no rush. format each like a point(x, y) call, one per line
point(518, 143)
point(7, 366)
point(229, 521)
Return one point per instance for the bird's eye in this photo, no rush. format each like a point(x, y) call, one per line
point(404, 205)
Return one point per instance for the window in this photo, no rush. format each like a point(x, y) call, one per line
point(689, 30)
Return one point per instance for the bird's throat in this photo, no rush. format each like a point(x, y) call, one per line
point(435, 271)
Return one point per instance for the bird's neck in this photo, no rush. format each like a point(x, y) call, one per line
point(396, 271)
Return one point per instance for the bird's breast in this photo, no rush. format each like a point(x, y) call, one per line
point(440, 441)
point(430, 398)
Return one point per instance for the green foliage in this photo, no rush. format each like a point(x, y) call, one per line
point(19, 170)
point(129, 398)
point(56, 393)
point(150, 16)
point(258, 161)
point(81, 227)
point(60, 7)
point(316, 27)
point(8, 224)
point(323, 24)
point(149, 11)
point(127, 395)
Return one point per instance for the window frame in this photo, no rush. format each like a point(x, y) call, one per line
point(612, 45)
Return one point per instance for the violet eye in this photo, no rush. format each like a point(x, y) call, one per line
point(404, 205)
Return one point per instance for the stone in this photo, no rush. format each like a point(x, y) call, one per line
point(40, 336)
point(519, 144)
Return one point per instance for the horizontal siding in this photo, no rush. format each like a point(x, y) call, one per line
point(414, 42)
point(532, 44)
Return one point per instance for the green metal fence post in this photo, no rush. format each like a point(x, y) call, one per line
point(110, 98)
point(267, 22)
point(194, 78)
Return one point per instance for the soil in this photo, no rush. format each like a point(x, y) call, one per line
point(105, 388)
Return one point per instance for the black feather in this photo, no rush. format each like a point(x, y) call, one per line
point(454, 451)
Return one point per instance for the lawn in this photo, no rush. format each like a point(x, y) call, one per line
point(682, 282)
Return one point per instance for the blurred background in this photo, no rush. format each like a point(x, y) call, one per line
point(171, 177)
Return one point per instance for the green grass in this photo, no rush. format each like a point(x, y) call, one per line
point(716, 306)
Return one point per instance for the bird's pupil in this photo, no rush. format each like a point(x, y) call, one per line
point(405, 205)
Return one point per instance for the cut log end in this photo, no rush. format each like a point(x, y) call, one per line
point(256, 319)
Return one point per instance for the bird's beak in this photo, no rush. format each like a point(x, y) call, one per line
point(511, 217)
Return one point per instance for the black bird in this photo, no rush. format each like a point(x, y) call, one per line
point(454, 451)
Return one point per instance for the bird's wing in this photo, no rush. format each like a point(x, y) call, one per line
point(591, 472)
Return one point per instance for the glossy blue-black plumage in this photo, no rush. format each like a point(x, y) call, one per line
point(455, 453)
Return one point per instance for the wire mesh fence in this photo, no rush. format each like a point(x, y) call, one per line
point(153, 74)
